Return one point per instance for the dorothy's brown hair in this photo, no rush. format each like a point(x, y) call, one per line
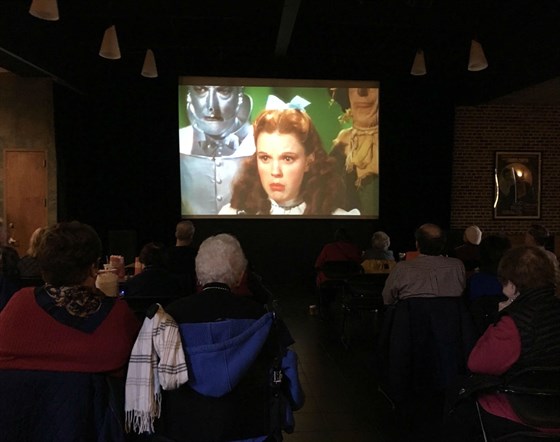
point(322, 187)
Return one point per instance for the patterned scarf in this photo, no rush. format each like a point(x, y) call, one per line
point(77, 300)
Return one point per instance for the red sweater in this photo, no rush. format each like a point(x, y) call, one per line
point(337, 251)
point(31, 339)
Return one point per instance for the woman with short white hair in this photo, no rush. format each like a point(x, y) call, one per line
point(230, 266)
point(380, 243)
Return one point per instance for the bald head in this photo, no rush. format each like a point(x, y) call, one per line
point(430, 239)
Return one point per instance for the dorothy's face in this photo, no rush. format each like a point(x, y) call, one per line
point(214, 107)
point(282, 163)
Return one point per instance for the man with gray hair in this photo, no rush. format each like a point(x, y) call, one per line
point(430, 274)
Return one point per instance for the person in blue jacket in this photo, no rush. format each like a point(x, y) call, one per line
point(235, 349)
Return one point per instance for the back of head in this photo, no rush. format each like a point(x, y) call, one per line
point(341, 235)
point(35, 240)
point(184, 231)
point(221, 259)
point(430, 239)
point(539, 234)
point(527, 267)
point(67, 252)
point(492, 249)
point(473, 235)
point(380, 241)
point(153, 255)
point(9, 258)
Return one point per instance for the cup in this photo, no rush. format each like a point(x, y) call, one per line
point(108, 282)
point(117, 262)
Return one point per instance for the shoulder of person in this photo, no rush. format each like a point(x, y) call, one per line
point(227, 210)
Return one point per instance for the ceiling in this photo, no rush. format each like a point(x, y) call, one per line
point(350, 39)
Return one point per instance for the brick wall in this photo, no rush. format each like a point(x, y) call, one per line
point(481, 131)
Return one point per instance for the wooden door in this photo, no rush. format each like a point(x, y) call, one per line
point(25, 195)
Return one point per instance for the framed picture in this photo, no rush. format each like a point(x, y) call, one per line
point(518, 185)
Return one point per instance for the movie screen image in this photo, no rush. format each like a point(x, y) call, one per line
point(276, 147)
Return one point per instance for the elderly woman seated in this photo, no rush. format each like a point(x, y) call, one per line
point(526, 335)
point(231, 343)
point(378, 259)
point(54, 338)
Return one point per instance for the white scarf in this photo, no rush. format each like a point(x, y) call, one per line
point(157, 361)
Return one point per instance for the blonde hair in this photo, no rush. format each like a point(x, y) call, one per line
point(35, 240)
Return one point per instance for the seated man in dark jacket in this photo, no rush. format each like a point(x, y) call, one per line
point(231, 343)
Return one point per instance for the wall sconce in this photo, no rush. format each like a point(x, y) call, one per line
point(110, 44)
point(44, 9)
point(149, 69)
point(477, 59)
point(419, 64)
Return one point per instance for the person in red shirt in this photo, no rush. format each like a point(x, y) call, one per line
point(342, 249)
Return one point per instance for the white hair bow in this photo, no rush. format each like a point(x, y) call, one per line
point(275, 103)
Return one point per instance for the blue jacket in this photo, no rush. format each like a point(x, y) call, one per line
point(230, 376)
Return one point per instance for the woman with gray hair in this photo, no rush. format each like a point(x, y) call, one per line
point(232, 262)
point(380, 243)
point(230, 343)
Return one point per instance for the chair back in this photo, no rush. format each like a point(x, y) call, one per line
point(534, 395)
point(341, 270)
point(40, 405)
point(429, 341)
point(378, 265)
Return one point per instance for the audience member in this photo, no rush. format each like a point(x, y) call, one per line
point(380, 243)
point(485, 282)
point(469, 252)
point(66, 326)
point(154, 281)
point(221, 402)
point(181, 256)
point(484, 289)
point(527, 334)
point(9, 274)
point(378, 258)
point(341, 249)
point(430, 274)
point(539, 236)
point(28, 264)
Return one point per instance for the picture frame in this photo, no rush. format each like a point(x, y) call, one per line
point(517, 177)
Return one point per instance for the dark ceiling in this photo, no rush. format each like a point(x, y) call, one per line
point(350, 39)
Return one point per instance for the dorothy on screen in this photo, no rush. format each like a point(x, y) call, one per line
point(290, 172)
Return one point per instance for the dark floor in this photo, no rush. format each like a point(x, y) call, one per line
point(342, 398)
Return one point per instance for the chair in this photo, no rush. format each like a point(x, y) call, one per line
point(534, 395)
point(378, 265)
point(336, 274)
point(40, 405)
point(363, 295)
point(430, 339)
point(424, 346)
